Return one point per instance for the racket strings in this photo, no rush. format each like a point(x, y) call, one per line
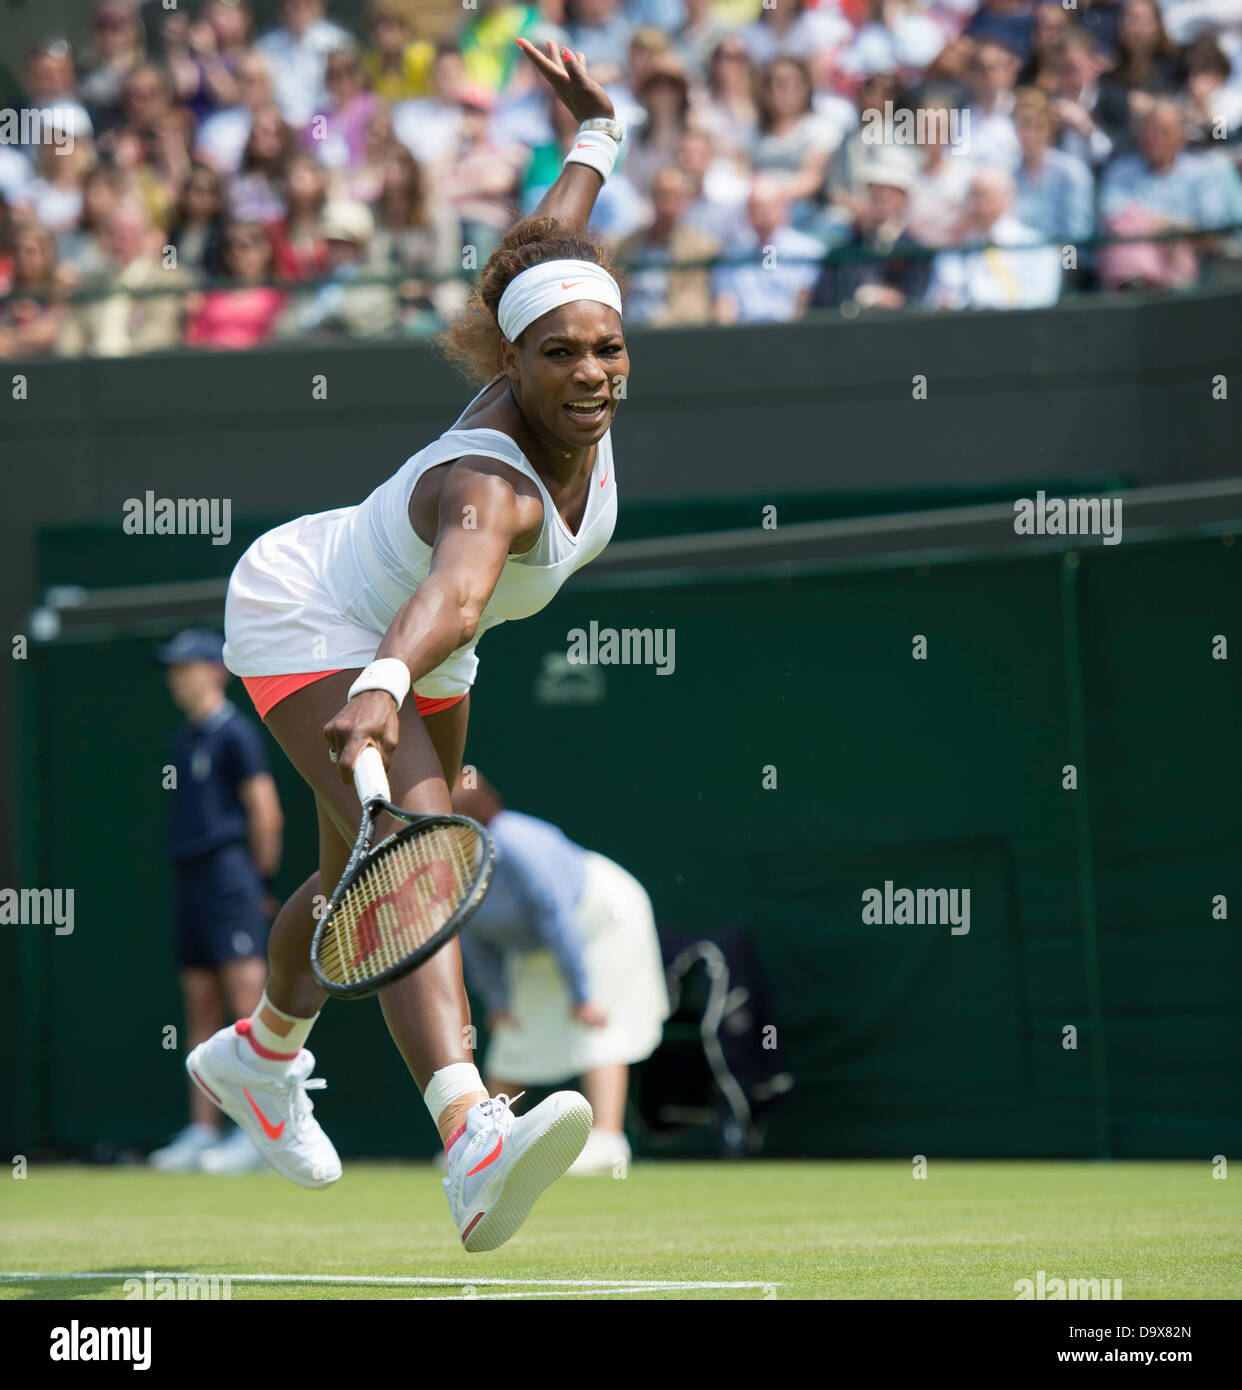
point(407, 893)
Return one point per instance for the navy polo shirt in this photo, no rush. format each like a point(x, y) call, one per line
point(212, 760)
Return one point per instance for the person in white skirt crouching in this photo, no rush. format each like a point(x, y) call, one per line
point(564, 953)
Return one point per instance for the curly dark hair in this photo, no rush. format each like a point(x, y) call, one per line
point(471, 342)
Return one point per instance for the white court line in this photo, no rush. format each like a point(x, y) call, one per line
point(406, 1280)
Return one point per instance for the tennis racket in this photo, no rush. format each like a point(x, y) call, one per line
point(398, 903)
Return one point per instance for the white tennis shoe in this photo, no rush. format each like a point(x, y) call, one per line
point(182, 1153)
point(275, 1111)
point(501, 1165)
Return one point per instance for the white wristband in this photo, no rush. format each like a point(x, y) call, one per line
point(385, 674)
point(596, 148)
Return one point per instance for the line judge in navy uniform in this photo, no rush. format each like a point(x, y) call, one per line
point(224, 842)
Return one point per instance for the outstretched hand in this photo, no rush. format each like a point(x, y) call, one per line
point(567, 76)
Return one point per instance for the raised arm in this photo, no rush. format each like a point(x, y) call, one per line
point(480, 516)
point(572, 197)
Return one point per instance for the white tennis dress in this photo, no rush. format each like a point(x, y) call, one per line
point(320, 592)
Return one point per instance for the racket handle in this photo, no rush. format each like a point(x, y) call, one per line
point(370, 779)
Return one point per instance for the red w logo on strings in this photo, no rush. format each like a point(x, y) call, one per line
point(405, 903)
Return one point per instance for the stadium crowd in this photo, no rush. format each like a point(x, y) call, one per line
point(189, 180)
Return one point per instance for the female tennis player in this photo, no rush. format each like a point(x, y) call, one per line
point(332, 619)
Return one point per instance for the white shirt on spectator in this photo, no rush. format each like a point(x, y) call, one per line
point(991, 139)
point(222, 138)
point(769, 293)
point(1000, 276)
point(297, 67)
point(16, 172)
point(427, 127)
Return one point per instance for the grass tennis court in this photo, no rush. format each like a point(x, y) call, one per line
point(670, 1230)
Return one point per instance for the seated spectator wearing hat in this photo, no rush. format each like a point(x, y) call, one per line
point(1055, 191)
point(844, 193)
point(882, 266)
point(397, 65)
point(775, 284)
point(664, 95)
point(1163, 188)
point(342, 308)
point(244, 316)
point(123, 323)
point(1010, 271)
point(659, 293)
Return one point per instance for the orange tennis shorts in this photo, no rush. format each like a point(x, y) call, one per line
point(268, 691)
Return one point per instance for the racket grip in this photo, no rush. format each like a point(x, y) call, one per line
point(370, 779)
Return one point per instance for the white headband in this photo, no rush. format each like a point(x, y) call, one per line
point(545, 287)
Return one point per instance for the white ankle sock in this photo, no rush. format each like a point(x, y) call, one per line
point(270, 1039)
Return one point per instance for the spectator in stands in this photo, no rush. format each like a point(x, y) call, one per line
point(397, 66)
point(942, 186)
point(1004, 22)
point(719, 186)
point(1055, 194)
point(1162, 188)
point(793, 30)
point(482, 179)
point(16, 171)
point(659, 292)
point(729, 110)
point(337, 133)
point(1211, 107)
point(882, 266)
point(487, 40)
point(1100, 19)
point(83, 249)
point(698, 36)
point(297, 53)
point(196, 231)
point(1092, 124)
point(244, 315)
point(118, 46)
point(257, 190)
point(222, 137)
point(299, 251)
point(896, 36)
point(203, 77)
point(845, 189)
point(791, 142)
point(1148, 63)
point(418, 234)
point(343, 308)
point(600, 31)
point(124, 322)
point(665, 97)
point(6, 248)
point(50, 82)
point(992, 76)
point(429, 127)
point(29, 326)
point(1049, 25)
point(54, 196)
point(152, 141)
point(776, 284)
point(364, 178)
point(1000, 265)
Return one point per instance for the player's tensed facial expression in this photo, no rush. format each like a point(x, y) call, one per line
point(569, 356)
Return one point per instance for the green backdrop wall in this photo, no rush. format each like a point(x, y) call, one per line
point(1090, 908)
